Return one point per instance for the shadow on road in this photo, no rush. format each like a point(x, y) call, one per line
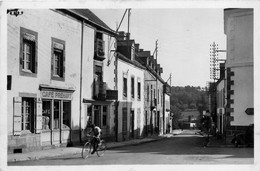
point(186, 144)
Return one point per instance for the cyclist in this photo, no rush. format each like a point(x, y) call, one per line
point(96, 132)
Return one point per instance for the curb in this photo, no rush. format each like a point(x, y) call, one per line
point(79, 151)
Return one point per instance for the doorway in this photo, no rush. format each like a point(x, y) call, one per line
point(132, 126)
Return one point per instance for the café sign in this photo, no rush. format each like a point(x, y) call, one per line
point(56, 95)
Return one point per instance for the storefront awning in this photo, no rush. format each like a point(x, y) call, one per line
point(96, 102)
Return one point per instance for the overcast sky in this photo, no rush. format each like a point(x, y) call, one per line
point(184, 37)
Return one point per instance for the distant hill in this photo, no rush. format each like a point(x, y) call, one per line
point(188, 97)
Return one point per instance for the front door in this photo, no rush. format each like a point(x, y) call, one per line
point(132, 123)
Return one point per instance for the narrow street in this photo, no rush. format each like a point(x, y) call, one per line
point(185, 148)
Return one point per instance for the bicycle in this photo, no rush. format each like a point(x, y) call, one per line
point(88, 147)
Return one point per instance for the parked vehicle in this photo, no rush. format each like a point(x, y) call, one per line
point(246, 138)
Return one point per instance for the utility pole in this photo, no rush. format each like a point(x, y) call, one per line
point(214, 64)
point(156, 91)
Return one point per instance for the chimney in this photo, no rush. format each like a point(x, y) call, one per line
point(127, 36)
point(137, 47)
point(121, 35)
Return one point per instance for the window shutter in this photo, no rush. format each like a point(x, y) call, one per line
point(17, 115)
point(38, 116)
point(35, 64)
point(52, 62)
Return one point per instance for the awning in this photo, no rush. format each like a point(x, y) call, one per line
point(96, 102)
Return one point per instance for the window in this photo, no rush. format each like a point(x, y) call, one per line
point(158, 97)
point(46, 114)
point(104, 117)
point(125, 87)
point(147, 93)
point(28, 52)
point(58, 59)
point(27, 119)
point(56, 117)
point(132, 87)
point(66, 114)
point(139, 90)
point(99, 47)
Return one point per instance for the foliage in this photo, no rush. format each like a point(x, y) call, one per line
point(187, 97)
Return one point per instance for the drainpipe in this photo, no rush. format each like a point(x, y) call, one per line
point(116, 87)
point(80, 88)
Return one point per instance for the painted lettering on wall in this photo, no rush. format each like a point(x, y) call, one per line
point(56, 95)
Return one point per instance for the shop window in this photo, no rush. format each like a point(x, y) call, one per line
point(104, 116)
point(58, 59)
point(97, 115)
point(132, 87)
point(56, 116)
point(28, 52)
point(27, 117)
point(46, 114)
point(66, 114)
point(89, 115)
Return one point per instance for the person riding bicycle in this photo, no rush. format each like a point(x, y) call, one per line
point(96, 132)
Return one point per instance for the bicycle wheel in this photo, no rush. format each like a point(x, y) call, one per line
point(101, 148)
point(86, 150)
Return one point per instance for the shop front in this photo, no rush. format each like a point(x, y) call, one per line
point(99, 113)
point(56, 116)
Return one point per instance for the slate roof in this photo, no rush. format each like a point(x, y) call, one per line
point(89, 16)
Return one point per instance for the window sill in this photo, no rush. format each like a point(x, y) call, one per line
point(25, 132)
point(57, 78)
point(27, 73)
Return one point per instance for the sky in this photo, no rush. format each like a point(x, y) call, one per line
point(184, 36)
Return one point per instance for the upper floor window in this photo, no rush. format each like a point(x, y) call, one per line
point(124, 87)
point(99, 47)
point(158, 97)
point(58, 59)
point(139, 90)
point(132, 87)
point(147, 93)
point(28, 52)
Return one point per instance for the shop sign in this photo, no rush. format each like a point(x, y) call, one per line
point(56, 95)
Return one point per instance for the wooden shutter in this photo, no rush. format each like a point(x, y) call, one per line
point(17, 115)
point(38, 127)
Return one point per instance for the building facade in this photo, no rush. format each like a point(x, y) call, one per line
point(239, 87)
point(130, 82)
point(154, 104)
point(50, 67)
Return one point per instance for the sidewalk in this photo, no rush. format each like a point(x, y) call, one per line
point(61, 151)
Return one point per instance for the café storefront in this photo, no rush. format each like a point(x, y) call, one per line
point(56, 115)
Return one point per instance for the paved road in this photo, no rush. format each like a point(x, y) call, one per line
point(181, 149)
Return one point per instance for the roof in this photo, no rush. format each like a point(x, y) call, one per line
point(133, 62)
point(143, 54)
point(90, 17)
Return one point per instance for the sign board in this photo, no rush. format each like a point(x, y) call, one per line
point(56, 95)
point(250, 111)
point(112, 94)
